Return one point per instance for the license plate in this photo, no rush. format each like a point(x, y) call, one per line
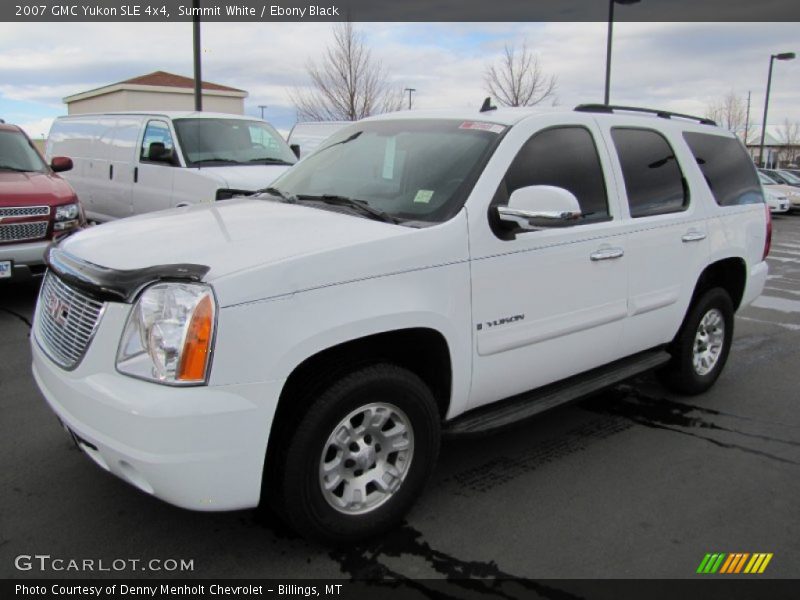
point(5, 269)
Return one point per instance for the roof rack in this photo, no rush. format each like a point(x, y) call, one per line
point(664, 114)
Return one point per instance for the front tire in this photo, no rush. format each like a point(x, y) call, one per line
point(361, 455)
point(700, 350)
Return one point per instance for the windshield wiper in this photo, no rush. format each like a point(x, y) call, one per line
point(216, 160)
point(362, 206)
point(270, 160)
point(273, 191)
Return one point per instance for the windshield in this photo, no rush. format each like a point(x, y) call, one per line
point(765, 179)
point(17, 154)
point(210, 142)
point(790, 177)
point(411, 170)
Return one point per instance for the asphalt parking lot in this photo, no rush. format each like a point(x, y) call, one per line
point(632, 483)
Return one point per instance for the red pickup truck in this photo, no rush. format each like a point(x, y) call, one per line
point(36, 205)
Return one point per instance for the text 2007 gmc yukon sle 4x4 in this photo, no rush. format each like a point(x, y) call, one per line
point(420, 272)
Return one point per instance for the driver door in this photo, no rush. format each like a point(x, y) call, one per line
point(154, 177)
point(550, 303)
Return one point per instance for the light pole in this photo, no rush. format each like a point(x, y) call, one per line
point(611, 4)
point(781, 56)
point(262, 107)
point(409, 90)
point(198, 78)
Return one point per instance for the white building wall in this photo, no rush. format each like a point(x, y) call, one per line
point(181, 99)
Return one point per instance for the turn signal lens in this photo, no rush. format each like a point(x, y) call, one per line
point(197, 347)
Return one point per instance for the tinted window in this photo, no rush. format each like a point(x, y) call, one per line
point(564, 157)
point(653, 180)
point(727, 168)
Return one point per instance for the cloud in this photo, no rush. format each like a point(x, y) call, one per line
point(677, 66)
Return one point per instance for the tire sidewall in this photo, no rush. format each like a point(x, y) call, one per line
point(305, 505)
point(713, 298)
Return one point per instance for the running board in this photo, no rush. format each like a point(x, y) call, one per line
point(525, 405)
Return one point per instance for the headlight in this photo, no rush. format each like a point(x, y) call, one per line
point(67, 212)
point(169, 334)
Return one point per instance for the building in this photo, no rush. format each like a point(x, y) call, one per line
point(779, 151)
point(156, 91)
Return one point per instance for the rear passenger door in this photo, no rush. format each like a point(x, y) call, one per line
point(551, 303)
point(666, 229)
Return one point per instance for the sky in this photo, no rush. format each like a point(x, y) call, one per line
point(673, 66)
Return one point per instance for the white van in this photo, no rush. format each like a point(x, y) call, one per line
point(306, 137)
point(137, 162)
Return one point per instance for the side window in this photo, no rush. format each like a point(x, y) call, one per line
point(157, 145)
point(653, 180)
point(727, 168)
point(564, 157)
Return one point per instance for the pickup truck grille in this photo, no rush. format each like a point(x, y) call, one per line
point(20, 232)
point(65, 321)
point(24, 211)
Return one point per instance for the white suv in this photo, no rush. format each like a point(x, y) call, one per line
point(421, 273)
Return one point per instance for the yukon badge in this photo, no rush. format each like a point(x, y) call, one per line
point(498, 322)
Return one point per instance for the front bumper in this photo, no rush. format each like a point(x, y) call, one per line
point(27, 257)
point(200, 448)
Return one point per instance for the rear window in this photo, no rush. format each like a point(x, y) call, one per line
point(727, 168)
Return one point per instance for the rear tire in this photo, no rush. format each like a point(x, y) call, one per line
point(701, 348)
point(360, 456)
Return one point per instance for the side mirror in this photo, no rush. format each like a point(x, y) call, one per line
point(296, 149)
point(540, 206)
point(59, 164)
point(160, 153)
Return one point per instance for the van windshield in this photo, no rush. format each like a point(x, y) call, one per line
point(17, 154)
point(411, 170)
point(220, 142)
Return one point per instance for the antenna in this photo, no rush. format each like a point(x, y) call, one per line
point(487, 105)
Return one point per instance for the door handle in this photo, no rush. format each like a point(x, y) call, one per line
point(693, 236)
point(607, 253)
point(135, 174)
point(111, 171)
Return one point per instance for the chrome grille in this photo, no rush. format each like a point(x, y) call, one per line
point(18, 232)
point(24, 211)
point(65, 321)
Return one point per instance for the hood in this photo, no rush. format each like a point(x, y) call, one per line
point(258, 248)
point(30, 189)
point(244, 177)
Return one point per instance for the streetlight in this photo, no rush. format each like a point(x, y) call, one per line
point(781, 56)
point(198, 77)
point(409, 90)
point(262, 107)
point(611, 4)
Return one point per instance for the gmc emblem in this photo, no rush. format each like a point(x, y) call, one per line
point(58, 310)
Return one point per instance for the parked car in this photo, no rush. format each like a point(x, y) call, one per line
point(775, 191)
point(36, 204)
point(305, 137)
point(133, 163)
point(423, 272)
point(782, 177)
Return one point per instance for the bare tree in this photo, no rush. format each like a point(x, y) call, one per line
point(518, 79)
point(790, 137)
point(347, 84)
point(730, 112)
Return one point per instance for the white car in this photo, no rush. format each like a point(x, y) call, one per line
point(136, 162)
point(780, 197)
point(426, 272)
